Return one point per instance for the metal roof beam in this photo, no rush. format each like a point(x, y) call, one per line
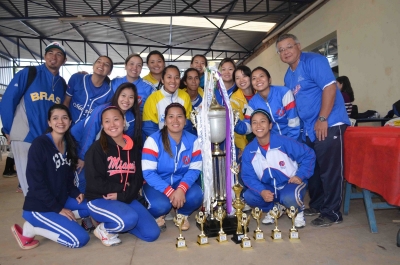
point(21, 46)
point(94, 10)
point(151, 7)
point(113, 7)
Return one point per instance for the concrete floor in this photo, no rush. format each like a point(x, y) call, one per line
point(348, 243)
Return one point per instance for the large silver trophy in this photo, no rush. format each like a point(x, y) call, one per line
point(215, 125)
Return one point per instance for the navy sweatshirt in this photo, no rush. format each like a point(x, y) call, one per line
point(50, 177)
point(117, 171)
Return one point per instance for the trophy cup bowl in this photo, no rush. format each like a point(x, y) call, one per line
point(217, 120)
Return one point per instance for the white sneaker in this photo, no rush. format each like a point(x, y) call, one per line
point(267, 219)
point(106, 238)
point(299, 221)
point(169, 217)
point(246, 208)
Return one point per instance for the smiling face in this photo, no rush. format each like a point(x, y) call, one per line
point(156, 64)
point(171, 80)
point(59, 121)
point(260, 81)
point(289, 52)
point(242, 80)
point(260, 126)
point(175, 120)
point(198, 63)
point(192, 81)
point(113, 123)
point(54, 58)
point(227, 72)
point(126, 99)
point(134, 67)
point(102, 66)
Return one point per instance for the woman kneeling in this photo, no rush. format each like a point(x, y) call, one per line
point(171, 165)
point(113, 180)
point(275, 169)
point(53, 203)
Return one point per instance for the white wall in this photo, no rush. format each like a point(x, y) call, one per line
point(368, 34)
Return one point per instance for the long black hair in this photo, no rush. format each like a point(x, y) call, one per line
point(346, 86)
point(137, 133)
point(185, 75)
point(164, 130)
point(70, 140)
point(246, 71)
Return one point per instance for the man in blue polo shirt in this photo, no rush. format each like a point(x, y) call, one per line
point(322, 111)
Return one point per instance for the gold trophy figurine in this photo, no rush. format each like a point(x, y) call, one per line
point(220, 215)
point(258, 233)
point(202, 239)
point(293, 232)
point(246, 243)
point(276, 233)
point(180, 240)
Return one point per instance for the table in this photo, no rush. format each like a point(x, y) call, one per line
point(372, 162)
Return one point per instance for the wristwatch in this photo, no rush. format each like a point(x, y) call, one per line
point(321, 118)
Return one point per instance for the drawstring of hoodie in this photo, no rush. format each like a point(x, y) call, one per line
point(127, 172)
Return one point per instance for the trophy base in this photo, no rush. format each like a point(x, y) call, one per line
point(202, 240)
point(293, 234)
point(276, 235)
point(211, 227)
point(180, 243)
point(222, 238)
point(258, 236)
point(246, 243)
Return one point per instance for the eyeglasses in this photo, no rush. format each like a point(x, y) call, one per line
point(289, 48)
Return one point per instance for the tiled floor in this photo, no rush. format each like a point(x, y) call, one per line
point(348, 243)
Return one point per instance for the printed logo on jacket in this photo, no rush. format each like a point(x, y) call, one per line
point(186, 160)
point(60, 160)
point(117, 166)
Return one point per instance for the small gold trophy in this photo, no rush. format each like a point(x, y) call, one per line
point(258, 233)
point(276, 233)
point(180, 240)
point(202, 239)
point(293, 232)
point(220, 215)
point(238, 204)
point(246, 243)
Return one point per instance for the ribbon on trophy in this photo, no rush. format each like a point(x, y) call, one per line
point(229, 143)
point(203, 132)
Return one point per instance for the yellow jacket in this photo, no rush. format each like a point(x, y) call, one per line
point(239, 103)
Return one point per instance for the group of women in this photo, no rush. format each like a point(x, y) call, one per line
point(115, 142)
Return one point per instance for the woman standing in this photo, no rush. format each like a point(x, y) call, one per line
point(171, 165)
point(153, 111)
point(114, 178)
point(87, 131)
point(278, 101)
point(190, 83)
point(226, 67)
point(133, 67)
point(275, 169)
point(344, 85)
point(53, 202)
point(156, 63)
point(198, 62)
point(85, 92)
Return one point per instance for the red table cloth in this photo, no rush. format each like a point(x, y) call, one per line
point(372, 160)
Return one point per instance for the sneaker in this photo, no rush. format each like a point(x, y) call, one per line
point(87, 224)
point(299, 221)
point(311, 212)
point(161, 223)
point(169, 217)
point(246, 208)
point(23, 242)
point(281, 209)
point(106, 238)
point(325, 221)
point(267, 219)
point(186, 224)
